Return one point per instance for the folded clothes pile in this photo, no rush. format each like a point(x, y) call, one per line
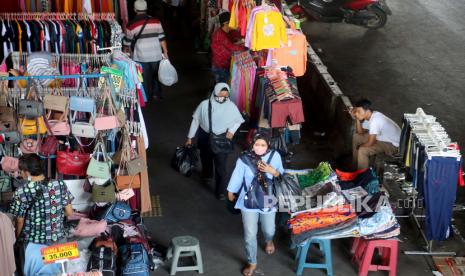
point(323, 218)
point(366, 179)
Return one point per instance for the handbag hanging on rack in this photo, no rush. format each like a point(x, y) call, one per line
point(9, 164)
point(55, 103)
point(86, 105)
point(99, 169)
point(110, 120)
point(125, 180)
point(72, 162)
point(7, 119)
point(30, 107)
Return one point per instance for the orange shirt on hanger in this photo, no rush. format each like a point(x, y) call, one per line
point(294, 54)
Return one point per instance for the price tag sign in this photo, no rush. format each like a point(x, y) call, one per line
point(116, 77)
point(60, 252)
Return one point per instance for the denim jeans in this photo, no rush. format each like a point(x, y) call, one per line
point(221, 75)
point(250, 221)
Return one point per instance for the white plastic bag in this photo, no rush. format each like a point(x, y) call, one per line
point(167, 74)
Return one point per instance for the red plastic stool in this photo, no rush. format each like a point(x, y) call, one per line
point(364, 254)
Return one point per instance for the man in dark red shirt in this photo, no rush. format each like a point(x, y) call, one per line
point(223, 45)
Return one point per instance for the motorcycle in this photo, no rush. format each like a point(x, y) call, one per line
point(371, 14)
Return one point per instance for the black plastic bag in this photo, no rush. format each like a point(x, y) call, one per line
point(278, 143)
point(287, 190)
point(185, 160)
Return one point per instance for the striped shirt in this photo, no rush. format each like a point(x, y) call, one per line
point(41, 67)
point(147, 48)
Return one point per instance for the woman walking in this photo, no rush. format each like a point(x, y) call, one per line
point(266, 165)
point(39, 208)
point(225, 119)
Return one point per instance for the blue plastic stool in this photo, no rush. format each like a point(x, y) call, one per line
point(301, 257)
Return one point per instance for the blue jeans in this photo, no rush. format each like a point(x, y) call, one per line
point(250, 221)
point(221, 75)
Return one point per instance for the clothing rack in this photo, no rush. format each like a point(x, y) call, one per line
point(57, 16)
point(84, 76)
point(104, 59)
point(437, 143)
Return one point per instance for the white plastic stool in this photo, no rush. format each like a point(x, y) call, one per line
point(185, 246)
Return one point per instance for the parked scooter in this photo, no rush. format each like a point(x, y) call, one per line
point(371, 14)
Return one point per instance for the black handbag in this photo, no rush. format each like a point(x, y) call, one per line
point(218, 143)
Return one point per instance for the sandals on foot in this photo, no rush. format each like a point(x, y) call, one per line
point(269, 249)
point(248, 271)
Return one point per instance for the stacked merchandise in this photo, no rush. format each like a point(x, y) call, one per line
point(433, 163)
point(333, 207)
point(58, 33)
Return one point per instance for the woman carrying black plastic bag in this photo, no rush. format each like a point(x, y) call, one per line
point(225, 119)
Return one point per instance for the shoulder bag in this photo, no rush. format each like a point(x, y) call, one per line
point(134, 40)
point(30, 108)
point(72, 162)
point(125, 180)
point(104, 193)
point(255, 195)
point(110, 120)
point(99, 169)
point(219, 144)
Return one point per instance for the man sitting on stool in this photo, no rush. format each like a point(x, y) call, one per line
point(375, 133)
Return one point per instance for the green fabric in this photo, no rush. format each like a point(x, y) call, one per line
point(321, 173)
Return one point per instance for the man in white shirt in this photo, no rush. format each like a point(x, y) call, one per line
point(375, 133)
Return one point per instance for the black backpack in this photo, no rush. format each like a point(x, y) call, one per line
point(103, 259)
point(255, 195)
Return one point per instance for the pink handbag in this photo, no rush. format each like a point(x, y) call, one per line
point(10, 164)
point(59, 127)
point(90, 228)
point(109, 120)
point(29, 146)
point(125, 195)
point(106, 122)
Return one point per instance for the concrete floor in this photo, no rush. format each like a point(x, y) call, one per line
point(417, 60)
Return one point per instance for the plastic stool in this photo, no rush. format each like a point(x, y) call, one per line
point(185, 246)
point(364, 255)
point(302, 252)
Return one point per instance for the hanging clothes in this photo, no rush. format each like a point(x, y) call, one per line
point(293, 54)
point(266, 29)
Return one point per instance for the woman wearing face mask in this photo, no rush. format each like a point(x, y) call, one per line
point(39, 208)
point(226, 119)
point(259, 156)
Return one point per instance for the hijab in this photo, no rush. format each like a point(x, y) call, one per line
point(224, 115)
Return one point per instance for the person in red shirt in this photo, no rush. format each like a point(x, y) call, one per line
point(224, 43)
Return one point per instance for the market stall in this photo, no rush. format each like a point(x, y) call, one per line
point(79, 109)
